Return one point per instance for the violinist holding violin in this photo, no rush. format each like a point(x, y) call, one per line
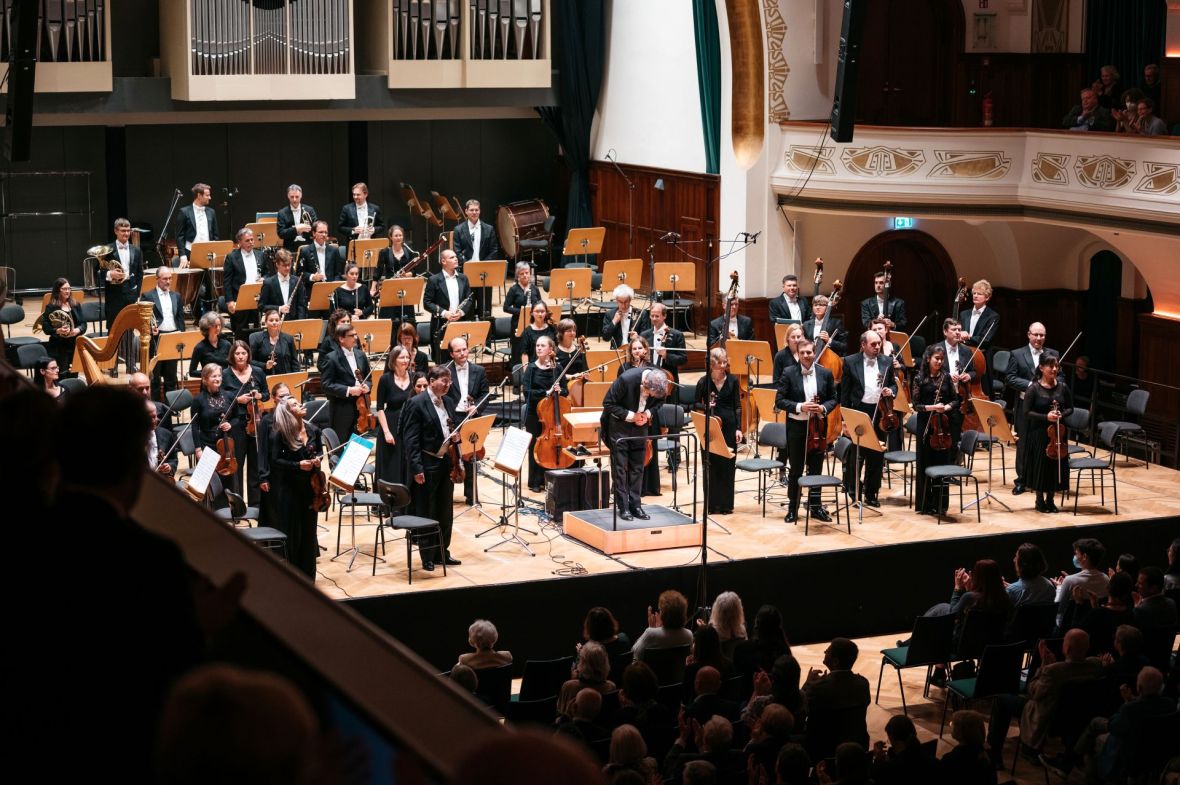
point(345, 378)
point(805, 391)
point(867, 378)
point(161, 457)
point(469, 384)
point(959, 367)
point(428, 421)
point(936, 402)
point(246, 384)
point(295, 451)
point(1046, 402)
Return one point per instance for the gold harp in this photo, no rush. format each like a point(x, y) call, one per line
point(136, 316)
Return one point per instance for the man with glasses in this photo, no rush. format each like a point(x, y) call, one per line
point(866, 380)
point(345, 378)
point(1022, 370)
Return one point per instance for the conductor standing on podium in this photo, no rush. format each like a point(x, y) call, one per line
point(628, 410)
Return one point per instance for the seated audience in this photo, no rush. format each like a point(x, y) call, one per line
point(836, 701)
point(628, 751)
point(729, 619)
point(767, 645)
point(482, 636)
point(708, 700)
point(852, 766)
point(1123, 666)
point(982, 589)
point(665, 628)
point(903, 763)
point(527, 757)
point(601, 626)
point(1126, 562)
point(1108, 745)
point(770, 732)
point(1126, 116)
point(1100, 621)
point(699, 772)
point(1088, 554)
point(1031, 584)
point(1172, 574)
point(706, 651)
point(592, 671)
point(709, 742)
point(793, 766)
point(780, 686)
point(1088, 115)
point(637, 702)
point(465, 677)
point(967, 763)
point(1149, 124)
point(1153, 609)
point(1108, 87)
point(581, 722)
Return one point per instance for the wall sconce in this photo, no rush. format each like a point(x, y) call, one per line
point(659, 184)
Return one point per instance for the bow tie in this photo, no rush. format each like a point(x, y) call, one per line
point(978, 313)
point(809, 373)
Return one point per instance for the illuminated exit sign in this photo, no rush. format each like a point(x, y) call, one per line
point(901, 222)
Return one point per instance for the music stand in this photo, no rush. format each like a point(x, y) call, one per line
point(628, 271)
point(583, 242)
point(751, 354)
point(598, 364)
point(305, 332)
point(476, 333)
point(209, 254)
point(488, 276)
point(473, 435)
point(365, 253)
point(266, 234)
point(594, 393)
point(509, 460)
point(146, 285)
point(780, 333)
point(294, 381)
point(863, 435)
point(406, 290)
point(575, 283)
point(677, 277)
point(171, 346)
point(718, 447)
point(320, 294)
point(998, 430)
point(374, 334)
point(248, 296)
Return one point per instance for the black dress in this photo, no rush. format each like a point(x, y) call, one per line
point(528, 341)
point(927, 456)
point(390, 399)
point(245, 446)
point(536, 384)
point(205, 353)
point(563, 359)
point(728, 410)
point(291, 502)
point(351, 301)
point(515, 299)
point(207, 411)
point(284, 351)
point(59, 348)
point(1041, 474)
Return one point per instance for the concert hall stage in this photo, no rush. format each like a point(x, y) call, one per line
point(872, 582)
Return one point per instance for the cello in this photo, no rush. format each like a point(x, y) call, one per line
point(974, 388)
point(549, 448)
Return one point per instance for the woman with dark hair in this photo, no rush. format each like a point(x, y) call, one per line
point(539, 378)
point(601, 627)
point(420, 383)
point(540, 326)
point(1031, 585)
point(48, 372)
point(706, 652)
point(1043, 474)
point(981, 589)
point(351, 296)
point(1128, 563)
point(213, 346)
point(245, 383)
point(62, 323)
point(271, 348)
point(395, 388)
point(766, 646)
point(934, 394)
point(329, 343)
point(407, 336)
point(389, 262)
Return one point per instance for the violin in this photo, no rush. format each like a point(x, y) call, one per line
point(253, 414)
point(1058, 448)
point(649, 445)
point(938, 426)
point(321, 500)
point(226, 449)
point(817, 431)
point(887, 419)
point(366, 420)
point(458, 473)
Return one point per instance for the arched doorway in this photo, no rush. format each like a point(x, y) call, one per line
point(923, 276)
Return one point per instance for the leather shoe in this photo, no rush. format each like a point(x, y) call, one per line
point(640, 514)
point(791, 517)
point(451, 561)
point(820, 514)
point(872, 501)
point(1018, 489)
point(428, 566)
point(626, 515)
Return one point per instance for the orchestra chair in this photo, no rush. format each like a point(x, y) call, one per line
point(1137, 406)
point(394, 497)
point(73, 384)
point(941, 478)
point(906, 458)
point(238, 511)
point(502, 335)
point(1078, 423)
point(1031, 622)
point(930, 644)
point(543, 678)
point(178, 401)
point(265, 537)
point(841, 451)
point(27, 355)
point(1107, 433)
point(317, 412)
point(610, 701)
point(773, 434)
point(998, 674)
point(10, 314)
point(675, 420)
point(188, 449)
point(618, 664)
point(1000, 362)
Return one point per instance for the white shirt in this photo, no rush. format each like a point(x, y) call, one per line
point(284, 287)
point(474, 229)
point(167, 323)
point(452, 284)
point(810, 390)
point(880, 307)
point(362, 215)
point(462, 374)
point(441, 411)
point(251, 266)
point(153, 450)
point(817, 327)
point(872, 381)
point(657, 343)
point(297, 216)
point(124, 252)
point(1036, 355)
point(625, 325)
point(952, 358)
point(350, 357)
point(732, 326)
point(202, 225)
point(975, 315)
point(321, 263)
point(794, 309)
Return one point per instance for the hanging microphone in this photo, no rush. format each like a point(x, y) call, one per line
point(673, 236)
point(610, 155)
point(750, 238)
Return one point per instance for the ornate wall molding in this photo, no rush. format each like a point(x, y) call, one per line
point(1159, 178)
point(881, 161)
point(777, 69)
point(984, 165)
point(1104, 171)
point(1051, 168)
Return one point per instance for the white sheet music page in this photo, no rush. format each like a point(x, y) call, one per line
point(514, 449)
point(351, 463)
point(198, 481)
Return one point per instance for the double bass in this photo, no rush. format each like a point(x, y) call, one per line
point(974, 388)
point(549, 448)
point(831, 361)
point(749, 413)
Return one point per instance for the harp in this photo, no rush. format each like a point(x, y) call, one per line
point(136, 316)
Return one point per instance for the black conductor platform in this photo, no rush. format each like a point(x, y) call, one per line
point(600, 530)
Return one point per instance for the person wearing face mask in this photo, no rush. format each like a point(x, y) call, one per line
point(1022, 371)
point(1126, 113)
point(1088, 554)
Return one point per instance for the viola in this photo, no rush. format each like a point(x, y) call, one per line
point(887, 419)
point(366, 421)
point(458, 473)
point(1058, 447)
point(817, 431)
point(938, 427)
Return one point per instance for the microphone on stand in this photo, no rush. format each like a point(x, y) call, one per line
point(673, 236)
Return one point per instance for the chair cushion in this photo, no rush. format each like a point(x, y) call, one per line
point(226, 514)
point(819, 481)
point(1118, 425)
point(942, 472)
point(1088, 463)
point(965, 688)
point(21, 340)
point(411, 522)
point(896, 657)
point(901, 456)
point(361, 499)
point(758, 465)
point(263, 533)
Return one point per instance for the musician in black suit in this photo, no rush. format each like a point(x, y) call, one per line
point(522, 294)
point(1022, 374)
point(296, 219)
point(959, 369)
point(628, 410)
point(824, 329)
point(242, 265)
point(475, 240)
point(428, 420)
point(196, 222)
point(619, 324)
point(345, 377)
point(359, 219)
point(667, 343)
point(282, 291)
point(797, 391)
point(122, 285)
point(867, 377)
point(160, 443)
point(272, 349)
point(319, 260)
point(469, 384)
point(739, 327)
point(790, 306)
point(980, 319)
point(168, 313)
point(446, 298)
point(882, 304)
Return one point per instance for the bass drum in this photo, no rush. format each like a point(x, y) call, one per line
point(520, 221)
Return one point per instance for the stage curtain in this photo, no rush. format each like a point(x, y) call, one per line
point(704, 22)
point(1125, 35)
point(1102, 311)
point(579, 42)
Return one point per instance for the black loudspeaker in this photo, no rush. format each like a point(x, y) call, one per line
point(847, 67)
point(22, 72)
point(563, 492)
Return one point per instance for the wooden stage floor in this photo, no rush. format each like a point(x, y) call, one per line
point(1143, 494)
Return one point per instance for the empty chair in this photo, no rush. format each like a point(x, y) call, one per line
point(535, 712)
point(543, 678)
point(495, 686)
point(1098, 467)
point(28, 354)
point(906, 459)
point(773, 434)
point(938, 478)
point(1125, 429)
point(238, 511)
point(998, 674)
point(417, 529)
point(10, 314)
point(930, 644)
point(1031, 622)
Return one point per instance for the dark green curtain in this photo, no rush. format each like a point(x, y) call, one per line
point(579, 45)
point(708, 40)
point(1127, 34)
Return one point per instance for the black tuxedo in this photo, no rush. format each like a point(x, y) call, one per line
point(1022, 370)
point(235, 272)
point(719, 325)
point(894, 309)
point(308, 263)
point(852, 390)
point(489, 248)
point(627, 466)
point(983, 327)
point(779, 312)
point(783, 359)
point(614, 332)
point(436, 300)
point(674, 359)
point(120, 295)
point(837, 335)
point(164, 441)
point(336, 377)
point(422, 437)
point(287, 224)
point(186, 227)
point(790, 395)
point(271, 296)
point(348, 221)
point(477, 388)
point(165, 370)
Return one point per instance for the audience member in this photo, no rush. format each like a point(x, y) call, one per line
point(1172, 574)
point(708, 700)
point(222, 723)
point(967, 763)
point(1088, 554)
point(637, 702)
point(982, 589)
point(1108, 745)
point(628, 751)
point(709, 742)
point(1128, 659)
point(699, 772)
point(1088, 115)
point(482, 636)
point(665, 628)
point(1031, 584)
point(1149, 124)
point(793, 766)
point(771, 731)
point(581, 722)
point(729, 619)
point(465, 677)
point(601, 626)
point(852, 766)
point(836, 701)
point(904, 762)
point(1036, 709)
point(1153, 610)
point(1108, 87)
point(780, 686)
point(1126, 116)
point(1151, 86)
point(591, 671)
point(1100, 621)
point(527, 758)
point(768, 644)
point(1126, 562)
point(706, 651)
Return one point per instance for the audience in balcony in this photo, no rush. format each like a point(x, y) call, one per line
point(1088, 115)
point(1149, 124)
point(482, 636)
point(1031, 584)
point(1151, 87)
point(1126, 114)
point(1108, 87)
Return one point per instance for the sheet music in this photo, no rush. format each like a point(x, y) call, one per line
point(198, 481)
point(514, 449)
point(352, 462)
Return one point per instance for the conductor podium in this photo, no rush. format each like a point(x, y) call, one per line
point(600, 530)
